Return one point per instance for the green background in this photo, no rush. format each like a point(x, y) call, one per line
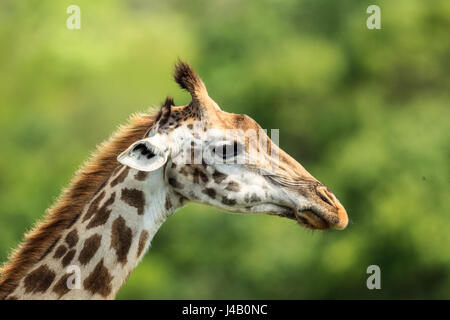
point(365, 111)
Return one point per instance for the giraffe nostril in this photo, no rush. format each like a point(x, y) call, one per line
point(326, 195)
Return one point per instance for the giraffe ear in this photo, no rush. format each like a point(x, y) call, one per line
point(144, 155)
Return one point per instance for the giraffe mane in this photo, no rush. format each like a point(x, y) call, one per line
point(67, 208)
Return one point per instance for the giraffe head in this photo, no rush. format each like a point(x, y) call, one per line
point(226, 160)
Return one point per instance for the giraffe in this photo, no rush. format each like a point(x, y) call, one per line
point(101, 226)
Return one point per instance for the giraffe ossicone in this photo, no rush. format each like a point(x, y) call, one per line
point(104, 221)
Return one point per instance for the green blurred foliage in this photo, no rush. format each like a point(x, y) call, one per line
point(365, 111)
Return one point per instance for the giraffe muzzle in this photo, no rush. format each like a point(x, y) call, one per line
point(337, 217)
point(327, 213)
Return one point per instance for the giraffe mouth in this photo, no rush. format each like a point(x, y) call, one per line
point(307, 218)
point(311, 220)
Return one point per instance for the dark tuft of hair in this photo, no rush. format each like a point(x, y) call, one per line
point(165, 111)
point(168, 102)
point(186, 78)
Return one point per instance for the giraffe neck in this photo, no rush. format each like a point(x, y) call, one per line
point(93, 258)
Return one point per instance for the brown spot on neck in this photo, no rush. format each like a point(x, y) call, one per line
point(39, 280)
point(134, 198)
point(90, 248)
point(141, 175)
point(121, 177)
point(121, 237)
point(93, 207)
point(60, 251)
point(72, 238)
point(61, 288)
point(68, 258)
point(99, 281)
point(102, 215)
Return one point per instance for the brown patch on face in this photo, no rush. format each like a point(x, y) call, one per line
point(90, 248)
point(121, 177)
point(244, 122)
point(184, 170)
point(219, 176)
point(255, 198)
point(198, 174)
point(210, 192)
point(141, 175)
point(50, 249)
point(94, 206)
point(174, 183)
point(190, 126)
point(142, 241)
point(121, 237)
point(61, 287)
point(39, 280)
point(228, 202)
point(252, 198)
point(233, 186)
point(238, 120)
point(68, 258)
point(102, 215)
point(72, 238)
point(134, 198)
point(99, 281)
point(60, 251)
point(167, 204)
